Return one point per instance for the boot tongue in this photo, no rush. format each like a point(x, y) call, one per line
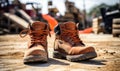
point(38, 25)
point(70, 26)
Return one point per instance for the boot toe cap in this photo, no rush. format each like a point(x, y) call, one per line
point(35, 51)
point(81, 50)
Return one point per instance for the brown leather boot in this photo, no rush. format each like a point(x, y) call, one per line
point(37, 47)
point(68, 44)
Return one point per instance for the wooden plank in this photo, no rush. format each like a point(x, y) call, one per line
point(116, 21)
point(19, 21)
point(116, 31)
point(25, 15)
point(116, 26)
point(96, 25)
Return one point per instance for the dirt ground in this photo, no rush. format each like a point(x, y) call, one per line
point(12, 49)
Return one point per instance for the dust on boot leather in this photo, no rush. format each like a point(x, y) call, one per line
point(68, 44)
point(37, 46)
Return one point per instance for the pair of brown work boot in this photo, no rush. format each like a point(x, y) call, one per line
point(66, 45)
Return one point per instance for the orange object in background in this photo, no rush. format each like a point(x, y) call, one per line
point(86, 31)
point(52, 22)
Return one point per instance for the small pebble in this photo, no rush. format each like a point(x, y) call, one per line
point(99, 67)
point(112, 53)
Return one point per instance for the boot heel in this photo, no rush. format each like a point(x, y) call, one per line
point(58, 55)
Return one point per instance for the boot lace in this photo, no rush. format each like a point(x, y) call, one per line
point(37, 37)
point(71, 36)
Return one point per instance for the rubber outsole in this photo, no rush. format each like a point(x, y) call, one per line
point(35, 58)
point(74, 58)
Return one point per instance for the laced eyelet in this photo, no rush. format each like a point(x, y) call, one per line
point(25, 32)
point(71, 36)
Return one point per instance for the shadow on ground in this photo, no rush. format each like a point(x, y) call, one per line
point(51, 61)
point(93, 62)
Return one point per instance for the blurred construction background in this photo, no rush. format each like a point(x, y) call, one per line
point(92, 16)
point(98, 22)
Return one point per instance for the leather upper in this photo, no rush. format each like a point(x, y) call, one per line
point(68, 41)
point(38, 34)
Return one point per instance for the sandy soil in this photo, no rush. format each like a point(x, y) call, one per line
point(12, 49)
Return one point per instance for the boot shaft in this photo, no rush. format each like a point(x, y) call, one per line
point(39, 33)
point(68, 32)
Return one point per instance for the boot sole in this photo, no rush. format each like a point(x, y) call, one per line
point(35, 58)
point(74, 58)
